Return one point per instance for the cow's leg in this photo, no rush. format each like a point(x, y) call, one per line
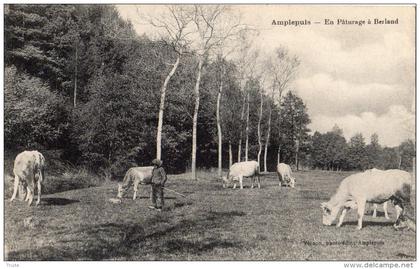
point(259, 181)
point(234, 185)
point(375, 206)
point(280, 179)
point(241, 179)
point(135, 186)
point(28, 195)
point(386, 210)
point(252, 182)
point(399, 210)
point(361, 204)
point(31, 197)
point(15, 188)
point(39, 192)
point(21, 192)
point(31, 189)
point(340, 220)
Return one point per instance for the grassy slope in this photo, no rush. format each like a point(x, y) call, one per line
point(211, 224)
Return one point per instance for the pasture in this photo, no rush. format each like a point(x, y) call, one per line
point(212, 223)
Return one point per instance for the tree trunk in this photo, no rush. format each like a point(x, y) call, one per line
point(230, 154)
point(241, 128)
point(239, 148)
point(399, 161)
point(75, 79)
point(162, 108)
point(219, 128)
point(259, 130)
point(267, 141)
point(297, 155)
point(278, 155)
point(247, 129)
point(195, 117)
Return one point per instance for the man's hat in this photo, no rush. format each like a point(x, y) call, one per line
point(157, 162)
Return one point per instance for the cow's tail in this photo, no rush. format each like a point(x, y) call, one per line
point(42, 167)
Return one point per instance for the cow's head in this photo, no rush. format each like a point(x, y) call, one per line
point(292, 182)
point(404, 222)
point(226, 181)
point(120, 191)
point(329, 213)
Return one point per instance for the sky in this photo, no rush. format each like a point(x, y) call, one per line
point(360, 77)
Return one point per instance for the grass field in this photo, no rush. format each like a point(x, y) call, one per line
point(212, 223)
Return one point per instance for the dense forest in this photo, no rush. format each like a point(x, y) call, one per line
point(78, 79)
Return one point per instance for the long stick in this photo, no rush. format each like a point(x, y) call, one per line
point(174, 192)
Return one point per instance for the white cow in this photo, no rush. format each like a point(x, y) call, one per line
point(29, 171)
point(240, 170)
point(370, 186)
point(134, 176)
point(285, 175)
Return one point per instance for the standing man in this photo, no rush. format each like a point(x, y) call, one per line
point(158, 182)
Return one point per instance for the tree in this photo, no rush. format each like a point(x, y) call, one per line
point(406, 154)
point(373, 151)
point(259, 127)
point(32, 36)
point(281, 68)
point(34, 117)
point(212, 29)
point(389, 158)
point(231, 103)
point(174, 23)
point(246, 60)
point(328, 150)
point(294, 122)
point(356, 153)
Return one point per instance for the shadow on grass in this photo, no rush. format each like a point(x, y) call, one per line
point(194, 247)
point(58, 201)
point(128, 241)
point(368, 223)
point(379, 214)
point(180, 204)
point(148, 197)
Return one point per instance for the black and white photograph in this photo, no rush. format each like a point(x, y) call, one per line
point(209, 132)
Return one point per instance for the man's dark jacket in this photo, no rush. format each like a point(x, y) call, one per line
point(159, 176)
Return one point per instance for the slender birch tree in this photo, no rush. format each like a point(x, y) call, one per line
point(175, 29)
point(246, 59)
point(213, 26)
point(259, 128)
point(219, 124)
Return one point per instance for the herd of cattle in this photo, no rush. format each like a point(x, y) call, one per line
point(372, 186)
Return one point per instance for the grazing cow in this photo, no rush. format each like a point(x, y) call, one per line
point(135, 176)
point(29, 171)
point(240, 170)
point(370, 186)
point(285, 175)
